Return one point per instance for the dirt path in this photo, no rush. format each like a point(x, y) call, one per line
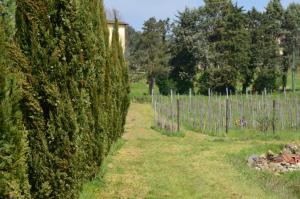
point(151, 165)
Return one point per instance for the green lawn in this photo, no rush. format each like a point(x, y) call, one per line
point(149, 164)
point(140, 88)
point(139, 92)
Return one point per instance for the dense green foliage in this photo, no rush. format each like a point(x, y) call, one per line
point(223, 37)
point(13, 136)
point(291, 42)
point(73, 97)
point(220, 45)
point(217, 79)
point(7, 10)
point(149, 50)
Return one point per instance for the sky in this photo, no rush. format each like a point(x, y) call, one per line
point(135, 12)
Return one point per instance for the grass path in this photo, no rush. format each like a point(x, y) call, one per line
point(151, 165)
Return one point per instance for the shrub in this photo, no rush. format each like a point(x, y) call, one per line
point(266, 79)
point(165, 84)
point(218, 79)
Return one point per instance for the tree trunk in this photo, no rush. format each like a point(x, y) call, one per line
point(151, 84)
point(245, 88)
point(284, 81)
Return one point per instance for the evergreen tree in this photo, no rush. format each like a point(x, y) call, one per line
point(256, 33)
point(217, 79)
point(101, 88)
point(213, 36)
point(290, 40)
point(132, 41)
point(236, 46)
point(48, 38)
point(7, 14)
point(13, 136)
point(216, 15)
point(186, 49)
point(120, 83)
point(73, 85)
point(269, 72)
point(91, 109)
point(253, 46)
point(228, 41)
point(113, 94)
point(152, 50)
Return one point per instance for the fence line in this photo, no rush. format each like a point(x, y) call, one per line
point(218, 114)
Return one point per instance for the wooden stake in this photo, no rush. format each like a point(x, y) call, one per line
point(227, 115)
point(155, 122)
point(227, 93)
point(152, 96)
point(274, 116)
point(178, 116)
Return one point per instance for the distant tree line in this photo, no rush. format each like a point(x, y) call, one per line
point(63, 96)
point(219, 45)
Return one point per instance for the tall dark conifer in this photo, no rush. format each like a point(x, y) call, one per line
point(13, 136)
point(48, 39)
point(73, 96)
point(291, 41)
point(269, 72)
point(120, 83)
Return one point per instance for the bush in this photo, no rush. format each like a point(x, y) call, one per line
point(218, 79)
point(267, 78)
point(165, 84)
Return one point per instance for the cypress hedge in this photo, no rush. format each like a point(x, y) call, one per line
point(13, 136)
point(73, 97)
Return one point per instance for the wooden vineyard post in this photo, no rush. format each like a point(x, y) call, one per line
point(293, 70)
point(227, 116)
point(189, 105)
point(297, 113)
point(155, 122)
point(178, 116)
point(172, 112)
point(152, 96)
point(209, 110)
point(274, 116)
point(158, 123)
point(227, 93)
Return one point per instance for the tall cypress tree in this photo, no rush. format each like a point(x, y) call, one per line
point(95, 82)
point(120, 85)
point(48, 39)
point(13, 136)
point(68, 98)
point(125, 87)
point(117, 83)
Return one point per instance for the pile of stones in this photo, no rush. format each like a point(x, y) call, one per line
point(288, 160)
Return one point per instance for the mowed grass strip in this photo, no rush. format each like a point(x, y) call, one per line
point(153, 165)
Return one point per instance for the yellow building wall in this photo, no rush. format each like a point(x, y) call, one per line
point(122, 34)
